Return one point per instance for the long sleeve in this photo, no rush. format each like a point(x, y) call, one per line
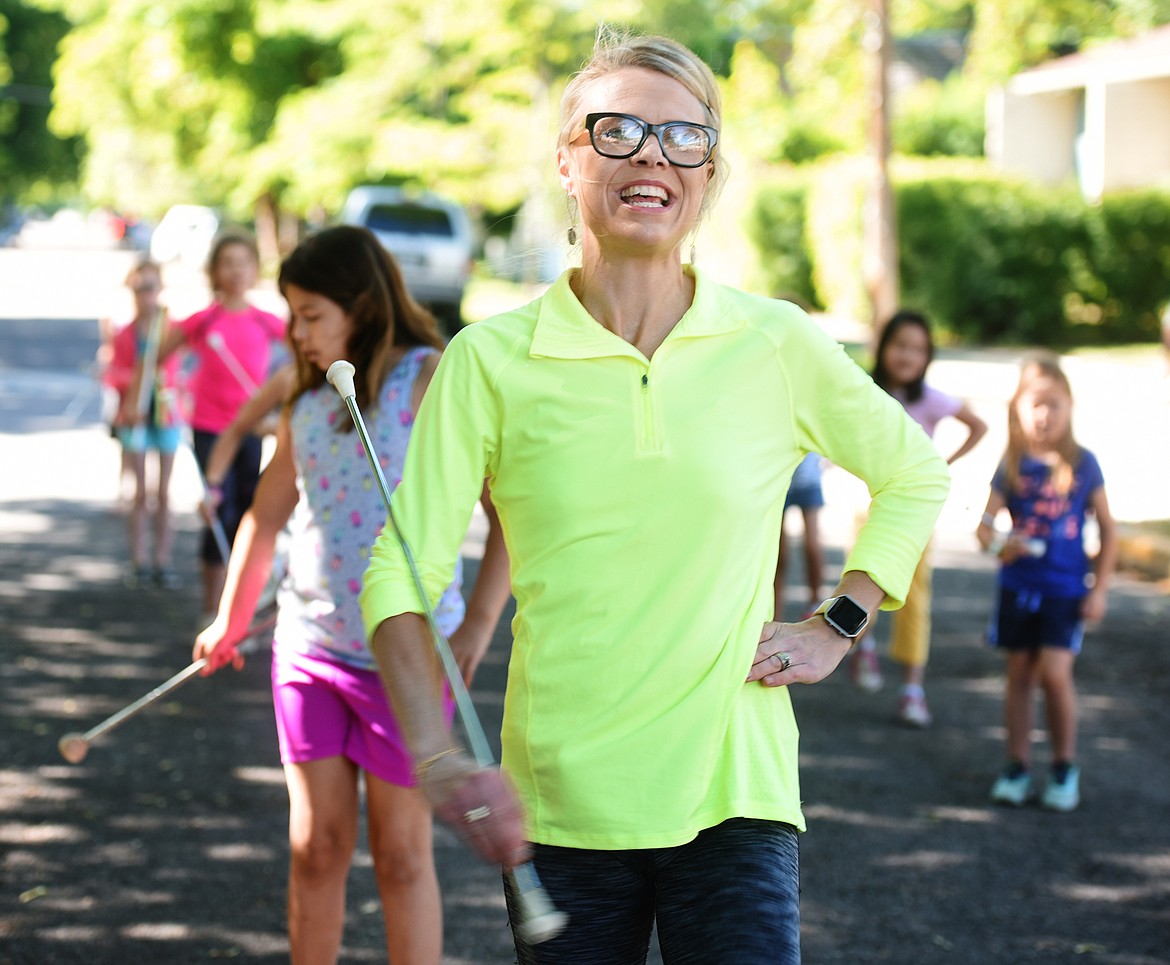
point(447, 459)
point(847, 418)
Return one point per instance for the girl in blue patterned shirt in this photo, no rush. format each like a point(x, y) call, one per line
point(1048, 586)
point(347, 300)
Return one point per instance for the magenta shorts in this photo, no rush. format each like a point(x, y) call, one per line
point(327, 709)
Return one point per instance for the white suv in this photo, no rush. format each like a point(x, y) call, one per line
point(430, 238)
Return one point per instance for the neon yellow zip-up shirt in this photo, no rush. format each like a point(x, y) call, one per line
point(641, 503)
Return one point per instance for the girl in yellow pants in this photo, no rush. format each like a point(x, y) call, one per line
point(905, 351)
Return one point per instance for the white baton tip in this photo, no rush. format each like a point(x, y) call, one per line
point(340, 376)
point(542, 927)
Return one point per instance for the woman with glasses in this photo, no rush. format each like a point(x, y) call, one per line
point(638, 425)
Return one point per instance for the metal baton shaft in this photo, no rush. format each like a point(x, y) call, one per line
point(538, 919)
point(480, 749)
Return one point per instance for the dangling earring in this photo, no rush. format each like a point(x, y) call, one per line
point(572, 235)
point(692, 252)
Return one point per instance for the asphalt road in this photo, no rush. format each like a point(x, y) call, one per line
point(168, 843)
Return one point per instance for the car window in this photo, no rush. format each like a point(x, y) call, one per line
point(409, 219)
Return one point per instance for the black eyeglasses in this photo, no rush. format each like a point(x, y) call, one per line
point(683, 144)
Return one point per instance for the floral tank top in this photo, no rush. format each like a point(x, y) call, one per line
point(339, 515)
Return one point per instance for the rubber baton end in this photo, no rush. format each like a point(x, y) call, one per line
point(73, 748)
point(340, 376)
point(538, 919)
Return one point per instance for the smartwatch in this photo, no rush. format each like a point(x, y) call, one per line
point(845, 615)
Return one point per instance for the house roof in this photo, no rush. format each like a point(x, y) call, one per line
point(1144, 57)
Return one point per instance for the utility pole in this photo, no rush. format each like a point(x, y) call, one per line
point(879, 239)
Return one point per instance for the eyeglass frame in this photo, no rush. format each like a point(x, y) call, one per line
point(648, 129)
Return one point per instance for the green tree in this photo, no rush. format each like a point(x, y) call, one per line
point(1011, 35)
point(35, 166)
point(173, 99)
point(271, 106)
point(453, 97)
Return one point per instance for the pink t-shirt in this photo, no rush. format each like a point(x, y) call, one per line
point(931, 408)
point(232, 350)
point(128, 345)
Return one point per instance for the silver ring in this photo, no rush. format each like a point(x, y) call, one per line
point(784, 658)
point(477, 814)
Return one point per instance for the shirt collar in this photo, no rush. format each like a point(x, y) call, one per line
point(564, 329)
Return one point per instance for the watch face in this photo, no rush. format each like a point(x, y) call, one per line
point(846, 616)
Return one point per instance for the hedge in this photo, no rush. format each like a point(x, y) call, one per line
point(776, 226)
point(993, 260)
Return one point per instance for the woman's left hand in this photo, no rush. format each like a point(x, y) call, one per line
point(797, 653)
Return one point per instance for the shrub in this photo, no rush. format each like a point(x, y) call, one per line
point(1128, 267)
point(991, 259)
point(776, 226)
point(939, 118)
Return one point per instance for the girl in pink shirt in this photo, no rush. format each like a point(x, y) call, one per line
point(231, 340)
point(905, 351)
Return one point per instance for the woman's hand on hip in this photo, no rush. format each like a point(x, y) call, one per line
point(797, 653)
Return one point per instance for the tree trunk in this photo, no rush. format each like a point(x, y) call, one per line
point(288, 232)
point(880, 242)
point(265, 212)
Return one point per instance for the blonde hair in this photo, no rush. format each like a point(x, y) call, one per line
point(1040, 365)
point(616, 49)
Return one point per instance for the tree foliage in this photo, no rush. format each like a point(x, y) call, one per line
point(174, 98)
point(1010, 35)
point(289, 103)
point(33, 164)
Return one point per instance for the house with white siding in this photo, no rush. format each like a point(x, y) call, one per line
point(1100, 117)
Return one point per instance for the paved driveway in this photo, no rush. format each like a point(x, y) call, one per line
point(168, 844)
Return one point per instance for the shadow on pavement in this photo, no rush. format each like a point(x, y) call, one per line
point(169, 842)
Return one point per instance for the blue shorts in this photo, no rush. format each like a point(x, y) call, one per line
point(730, 895)
point(1029, 620)
point(238, 488)
point(164, 439)
point(804, 490)
point(806, 497)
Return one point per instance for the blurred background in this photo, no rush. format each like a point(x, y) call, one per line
point(1002, 166)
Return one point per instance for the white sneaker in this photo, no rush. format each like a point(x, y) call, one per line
point(865, 671)
point(1012, 788)
point(912, 710)
point(1064, 796)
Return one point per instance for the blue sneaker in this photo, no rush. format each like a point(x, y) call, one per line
point(1013, 787)
point(1063, 795)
